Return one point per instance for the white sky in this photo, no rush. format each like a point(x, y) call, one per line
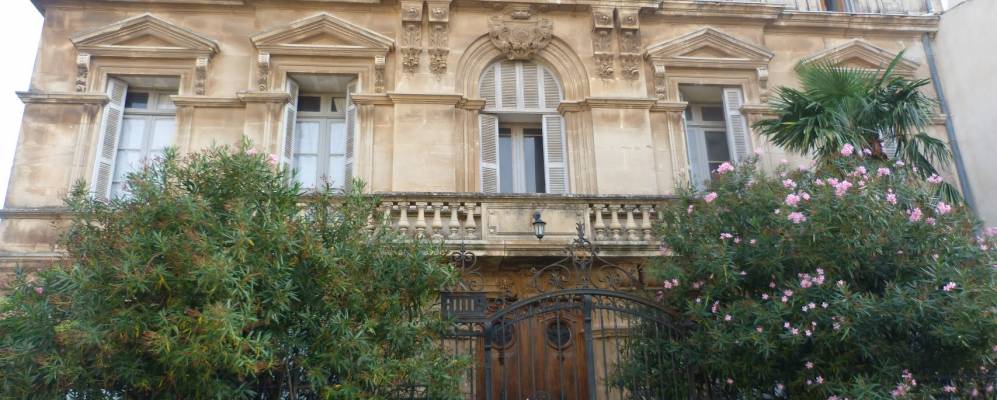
point(20, 28)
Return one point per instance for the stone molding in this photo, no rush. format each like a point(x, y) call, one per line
point(669, 106)
point(264, 97)
point(208, 102)
point(858, 49)
point(46, 213)
point(62, 98)
point(421, 98)
point(169, 40)
point(629, 103)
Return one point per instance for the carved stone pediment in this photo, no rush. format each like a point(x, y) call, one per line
point(858, 53)
point(520, 37)
point(709, 48)
point(144, 36)
point(323, 35)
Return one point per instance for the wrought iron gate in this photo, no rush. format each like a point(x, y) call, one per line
point(590, 332)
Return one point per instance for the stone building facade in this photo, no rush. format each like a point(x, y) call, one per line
point(467, 116)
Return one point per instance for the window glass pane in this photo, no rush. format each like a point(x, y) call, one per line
point(307, 137)
point(716, 147)
point(712, 113)
point(334, 104)
point(132, 132)
point(337, 137)
point(137, 100)
point(533, 167)
point(162, 135)
point(306, 168)
point(309, 103)
point(337, 171)
point(126, 162)
point(505, 161)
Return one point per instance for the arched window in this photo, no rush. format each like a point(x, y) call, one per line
point(522, 135)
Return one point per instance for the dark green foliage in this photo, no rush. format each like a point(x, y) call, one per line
point(840, 105)
point(216, 278)
point(874, 289)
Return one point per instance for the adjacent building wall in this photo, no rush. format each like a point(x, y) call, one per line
point(967, 67)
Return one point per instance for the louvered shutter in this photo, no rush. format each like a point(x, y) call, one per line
point(489, 153)
point(551, 90)
point(290, 120)
point(110, 132)
point(737, 127)
point(889, 147)
point(699, 166)
point(531, 86)
point(351, 129)
point(487, 86)
point(508, 84)
point(555, 155)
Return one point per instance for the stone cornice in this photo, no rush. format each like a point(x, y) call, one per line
point(62, 98)
point(857, 22)
point(620, 102)
point(46, 213)
point(206, 101)
point(669, 106)
point(472, 104)
point(372, 99)
point(760, 109)
point(720, 10)
point(264, 97)
point(421, 98)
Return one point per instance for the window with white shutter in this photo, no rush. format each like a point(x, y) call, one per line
point(715, 129)
point(322, 137)
point(523, 147)
point(110, 131)
point(737, 125)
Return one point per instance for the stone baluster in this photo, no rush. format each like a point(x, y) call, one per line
point(470, 227)
point(386, 221)
point(437, 221)
point(420, 220)
point(403, 224)
point(454, 225)
point(631, 224)
point(645, 221)
point(614, 224)
point(600, 224)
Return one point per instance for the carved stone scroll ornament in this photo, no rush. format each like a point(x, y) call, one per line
point(82, 71)
point(630, 65)
point(200, 75)
point(410, 58)
point(660, 89)
point(604, 62)
point(630, 50)
point(439, 31)
point(763, 82)
point(520, 39)
point(602, 41)
point(263, 71)
point(411, 46)
point(438, 60)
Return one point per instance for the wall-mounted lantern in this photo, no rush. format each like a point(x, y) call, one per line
point(538, 225)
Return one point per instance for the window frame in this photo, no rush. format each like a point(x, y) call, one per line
point(518, 135)
point(159, 106)
point(325, 117)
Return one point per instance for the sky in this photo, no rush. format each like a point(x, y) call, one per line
point(20, 28)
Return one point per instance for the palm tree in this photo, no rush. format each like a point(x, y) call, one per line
point(878, 110)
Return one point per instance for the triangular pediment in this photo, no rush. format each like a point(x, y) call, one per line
point(858, 53)
point(145, 36)
point(709, 48)
point(323, 34)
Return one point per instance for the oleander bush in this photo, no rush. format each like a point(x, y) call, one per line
point(216, 278)
point(849, 281)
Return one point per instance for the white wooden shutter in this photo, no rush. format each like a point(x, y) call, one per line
point(290, 120)
point(351, 133)
point(487, 87)
point(508, 84)
point(551, 90)
point(555, 157)
point(889, 147)
point(699, 166)
point(110, 132)
point(489, 153)
point(737, 126)
point(531, 86)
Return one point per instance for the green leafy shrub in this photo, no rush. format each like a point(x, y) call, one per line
point(851, 281)
point(216, 278)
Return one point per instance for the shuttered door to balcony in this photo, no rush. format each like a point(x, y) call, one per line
point(351, 133)
point(737, 126)
point(556, 165)
point(290, 120)
point(489, 153)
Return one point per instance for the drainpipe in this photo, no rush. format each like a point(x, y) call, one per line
point(960, 167)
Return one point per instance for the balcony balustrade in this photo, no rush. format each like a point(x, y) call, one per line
point(888, 7)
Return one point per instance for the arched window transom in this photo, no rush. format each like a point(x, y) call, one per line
point(519, 86)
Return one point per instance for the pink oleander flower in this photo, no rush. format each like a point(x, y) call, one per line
point(785, 299)
point(840, 283)
point(759, 151)
point(882, 171)
point(832, 181)
point(730, 381)
point(949, 389)
point(808, 332)
point(899, 163)
point(660, 296)
point(725, 236)
point(941, 208)
point(949, 286)
point(792, 200)
point(794, 332)
point(992, 231)
point(777, 211)
point(841, 188)
point(663, 249)
point(866, 151)
point(847, 150)
point(819, 379)
point(772, 285)
point(737, 240)
point(797, 217)
point(783, 161)
point(753, 242)
point(819, 182)
point(765, 296)
point(861, 170)
point(728, 318)
point(789, 184)
point(891, 197)
point(710, 197)
point(787, 292)
point(252, 151)
point(935, 179)
point(803, 167)
point(929, 221)
point(915, 215)
point(273, 160)
point(787, 325)
point(805, 196)
point(824, 305)
point(809, 365)
point(725, 168)
point(716, 307)
point(689, 210)
point(759, 329)
point(39, 290)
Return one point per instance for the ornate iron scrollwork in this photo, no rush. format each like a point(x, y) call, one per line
point(583, 268)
